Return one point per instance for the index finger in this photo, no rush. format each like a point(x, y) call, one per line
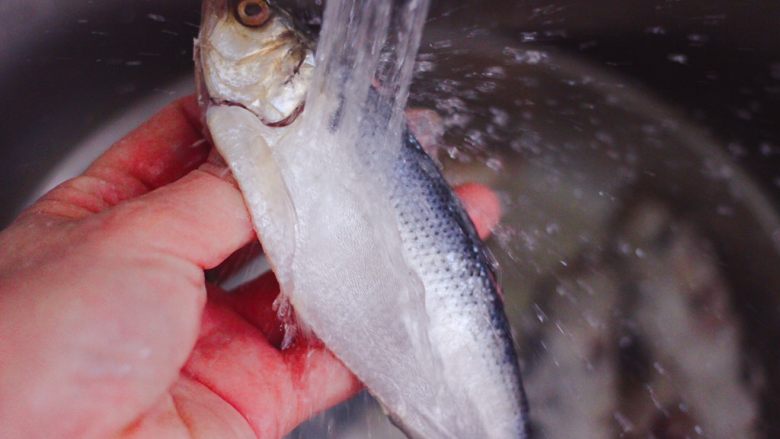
point(160, 151)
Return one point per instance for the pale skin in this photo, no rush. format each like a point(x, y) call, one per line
point(108, 327)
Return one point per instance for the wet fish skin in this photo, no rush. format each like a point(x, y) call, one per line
point(442, 245)
point(247, 115)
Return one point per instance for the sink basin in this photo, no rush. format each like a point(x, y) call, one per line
point(625, 138)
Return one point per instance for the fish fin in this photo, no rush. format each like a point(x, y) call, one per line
point(239, 137)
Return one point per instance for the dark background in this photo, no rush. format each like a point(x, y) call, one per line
point(65, 67)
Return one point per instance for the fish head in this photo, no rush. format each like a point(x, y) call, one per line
point(249, 53)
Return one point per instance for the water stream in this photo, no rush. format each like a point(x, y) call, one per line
point(365, 60)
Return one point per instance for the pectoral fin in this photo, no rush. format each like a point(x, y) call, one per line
point(239, 137)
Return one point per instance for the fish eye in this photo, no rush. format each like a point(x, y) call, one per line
point(253, 13)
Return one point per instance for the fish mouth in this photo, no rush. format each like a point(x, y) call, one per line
point(274, 124)
point(296, 51)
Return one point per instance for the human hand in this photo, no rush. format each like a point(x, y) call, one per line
point(107, 326)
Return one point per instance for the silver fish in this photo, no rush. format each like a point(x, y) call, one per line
point(442, 362)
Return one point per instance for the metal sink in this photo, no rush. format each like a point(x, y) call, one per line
point(687, 94)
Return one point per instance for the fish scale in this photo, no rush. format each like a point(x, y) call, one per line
point(373, 250)
point(442, 245)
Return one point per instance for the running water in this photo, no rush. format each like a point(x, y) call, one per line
point(367, 240)
point(349, 139)
point(365, 46)
point(348, 142)
point(376, 219)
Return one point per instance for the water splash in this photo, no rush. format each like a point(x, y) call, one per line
point(365, 61)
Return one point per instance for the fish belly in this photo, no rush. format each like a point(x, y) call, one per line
point(392, 277)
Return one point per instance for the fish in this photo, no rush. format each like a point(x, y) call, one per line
point(395, 282)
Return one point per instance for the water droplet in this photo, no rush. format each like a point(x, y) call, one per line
point(497, 72)
point(424, 67)
point(495, 164)
point(654, 398)
point(717, 170)
point(156, 17)
point(698, 39)
point(592, 321)
point(656, 30)
point(623, 421)
point(487, 86)
point(605, 137)
point(500, 117)
point(678, 58)
point(527, 37)
point(442, 44)
point(540, 315)
point(523, 56)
